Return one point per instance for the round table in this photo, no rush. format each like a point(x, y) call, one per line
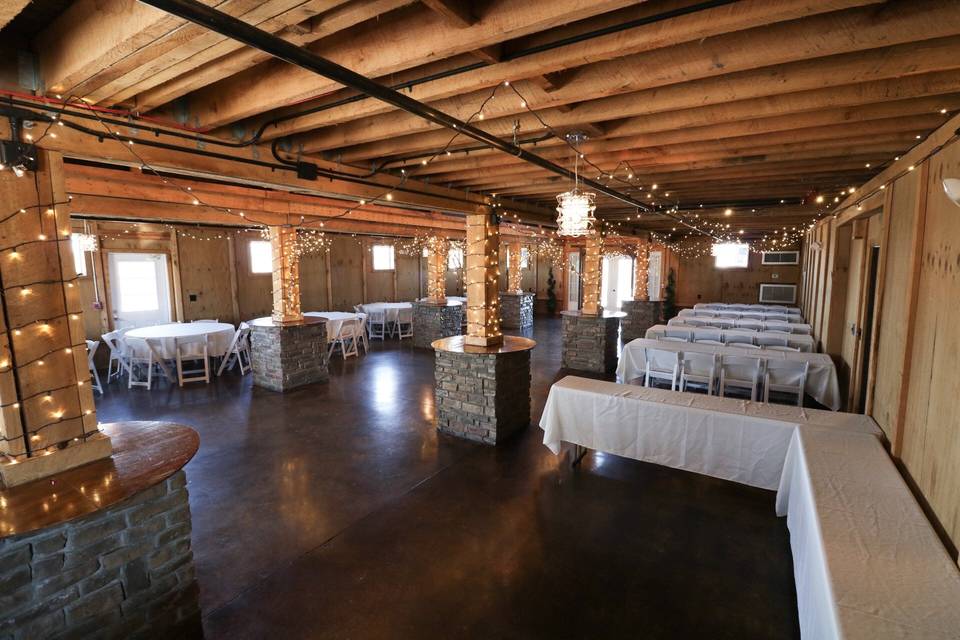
point(334, 320)
point(220, 336)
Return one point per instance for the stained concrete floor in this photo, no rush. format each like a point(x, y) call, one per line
point(337, 511)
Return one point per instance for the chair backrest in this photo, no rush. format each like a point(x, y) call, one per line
point(754, 315)
point(661, 359)
point(775, 347)
point(777, 330)
point(737, 338)
point(730, 315)
point(787, 372)
point(244, 325)
point(707, 334)
point(348, 328)
point(677, 333)
point(405, 315)
point(206, 320)
point(92, 346)
point(192, 346)
point(376, 316)
point(777, 319)
point(741, 367)
point(112, 340)
point(695, 322)
point(771, 341)
point(356, 308)
point(723, 323)
point(362, 319)
point(699, 364)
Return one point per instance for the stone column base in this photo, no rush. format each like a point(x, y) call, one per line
point(641, 315)
point(590, 342)
point(288, 356)
point(482, 393)
point(516, 310)
point(435, 320)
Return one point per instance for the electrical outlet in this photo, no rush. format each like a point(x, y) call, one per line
point(774, 276)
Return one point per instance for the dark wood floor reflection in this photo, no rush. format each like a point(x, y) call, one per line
point(337, 511)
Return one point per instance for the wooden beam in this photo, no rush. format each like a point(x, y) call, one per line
point(10, 10)
point(457, 13)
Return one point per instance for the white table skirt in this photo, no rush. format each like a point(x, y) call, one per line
point(220, 335)
point(732, 306)
point(334, 320)
point(725, 438)
point(740, 315)
point(792, 327)
point(867, 563)
point(802, 341)
point(822, 384)
point(391, 309)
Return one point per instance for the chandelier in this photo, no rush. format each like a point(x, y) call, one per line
point(576, 207)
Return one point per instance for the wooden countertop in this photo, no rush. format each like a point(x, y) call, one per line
point(510, 344)
point(267, 321)
point(603, 314)
point(144, 455)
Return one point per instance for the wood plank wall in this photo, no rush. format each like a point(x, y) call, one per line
point(913, 390)
point(698, 280)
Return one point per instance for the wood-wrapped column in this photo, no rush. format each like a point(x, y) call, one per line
point(482, 259)
point(591, 270)
point(286, 275)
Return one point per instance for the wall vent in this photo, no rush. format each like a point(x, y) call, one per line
point(778, 293)
point(780, 257)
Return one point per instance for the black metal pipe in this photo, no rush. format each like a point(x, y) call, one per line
point(251, 36)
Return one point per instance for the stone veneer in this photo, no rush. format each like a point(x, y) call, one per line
point(590, 342)
point(516, 310)
point(288, 356)
point(483, 397)
point(432, 321)
point(641, 315)
point(126, 571)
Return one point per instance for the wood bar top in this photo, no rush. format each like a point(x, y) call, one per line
point(144, 455)
point(267, 321)
point(510, 344)
point(602, 314)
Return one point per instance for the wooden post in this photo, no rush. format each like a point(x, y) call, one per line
point(286, 276)
point(437, 270)
point(482, 259)
point(47, 417)
point(591, 270)
point(641, 272)
point(514, 269)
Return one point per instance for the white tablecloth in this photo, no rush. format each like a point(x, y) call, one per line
point(802, 341)
point(334, 320)
point(792, 327)
point(866, 561)
point(725, 438)
point(391, 308)
point(723, 306)
point(220, 333)
point(740, 315)
point(822, 382)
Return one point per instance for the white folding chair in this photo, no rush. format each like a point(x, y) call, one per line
point(363, 337)
point(740, 372)
point(738, 339)
point(777, 318)
point(405, 323)
point(780, 348)
point(748, 325)
point(119, 354)
point(92, 346)
point(707, 336)
point(785, 376)
point(729, 315)
point(751, 315)
point(377, 324)
point(723, 323)
point(698, 368)
point(238, 353)
point(207, 320)
point(662, 365)
point(695, 322)
point(141, 362)
point(193, 349)
point(676, 335)
point(345, 340)
point(771, 341)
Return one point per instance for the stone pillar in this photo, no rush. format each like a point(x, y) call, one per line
point(437, 272)
point(482, 257)
point(516, 309)
point(287, 356)
point(482, 393)
point(435, 320)
point(286, 275)
point(590, 341)
point(515, 268)
point(640, 316)
point(48, 422)
point(592, 264)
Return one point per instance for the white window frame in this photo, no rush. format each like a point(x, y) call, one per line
point(255, 258)
point(454, 259)
point(391, 254)
point(725, 250)
point(79, 256)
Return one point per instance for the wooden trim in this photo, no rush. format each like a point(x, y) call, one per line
point(176, 286)
point(878, 300)
point(234, 286)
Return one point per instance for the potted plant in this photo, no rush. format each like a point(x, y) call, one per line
point(551, 293)
point(670, 297)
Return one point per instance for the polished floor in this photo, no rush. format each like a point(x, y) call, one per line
point(337, 511)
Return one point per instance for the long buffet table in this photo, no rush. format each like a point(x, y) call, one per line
point(749, 323)
point(739, 315)
point(799, 340)
point(733, 306)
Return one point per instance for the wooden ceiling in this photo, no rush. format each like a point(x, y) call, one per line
point(723, 104)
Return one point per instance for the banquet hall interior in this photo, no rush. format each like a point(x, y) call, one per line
point(479, 319)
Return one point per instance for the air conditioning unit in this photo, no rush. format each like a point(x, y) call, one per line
point(778, 293)
point(780, 257)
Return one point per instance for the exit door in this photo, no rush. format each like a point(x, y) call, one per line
point(140, 289)
point(573, 280)
point(616, 281)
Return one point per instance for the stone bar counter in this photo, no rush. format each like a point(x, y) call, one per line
point(640, 316)
point(590, 341)
point(103, 550)
point(435, 320)
point(516, 309)
point(482, 392)
point(287, 356)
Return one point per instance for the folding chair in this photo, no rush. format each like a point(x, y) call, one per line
point(92, 346)
point(698, 368)
point(345, 340)
point(785, 376)
point(740, 372)
point(193, 349)
point(238, 353)
point(662, 365)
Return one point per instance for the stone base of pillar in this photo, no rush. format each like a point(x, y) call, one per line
point(287, 356)
point(516, 310)
point(590, 342)
point(482, 393)
point(641, 315)
point(435, 320)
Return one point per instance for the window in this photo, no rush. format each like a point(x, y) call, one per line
point(524, 258)
point(731, 255)
point(455, 258)
point(383, 257)
point(79, 258)
point(261, 257)
point(137, 286)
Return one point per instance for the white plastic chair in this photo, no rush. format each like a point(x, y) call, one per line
point(698, 368)
point(777, 318)
point(706, 336)
point(207, 320)
point(364, 339)
point(723, 323)
point(92, 346)
point(780, 348)
point(740, 372)
point(377, 324)
point(662, 365)
point(785, 376)
point(695, 322)
point(676, 335)
point(238, 353)
point(193, 349)
point(404, 324)
point(751, 315)
point(142, 359)
point(729, 315)
point(771, 341)
point(737, 339)
point(119, 354)
point(345, 340)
